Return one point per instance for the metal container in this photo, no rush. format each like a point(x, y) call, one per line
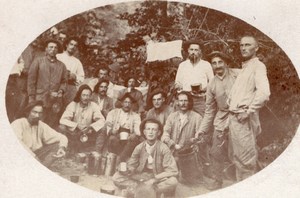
point(94, 164)
point(110, 166)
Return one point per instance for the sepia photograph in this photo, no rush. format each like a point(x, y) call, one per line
point(162, 99)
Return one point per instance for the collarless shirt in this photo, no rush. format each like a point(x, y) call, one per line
point(251, 88)
point(188, 74)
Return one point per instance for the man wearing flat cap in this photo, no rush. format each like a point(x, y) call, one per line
point(38, 138)
point(122, 130)
point(216, 113)
point(47, 76)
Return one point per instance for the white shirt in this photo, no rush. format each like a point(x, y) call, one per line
point(251, 88)
point(73, 64)
point(149, 149)
point(188, 74)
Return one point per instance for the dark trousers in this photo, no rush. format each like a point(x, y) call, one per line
point(45, 154)
point(74, 143)
point(123, 148)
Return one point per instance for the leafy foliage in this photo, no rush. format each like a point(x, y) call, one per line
point(119, 33)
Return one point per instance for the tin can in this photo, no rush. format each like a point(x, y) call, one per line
point(110, 167)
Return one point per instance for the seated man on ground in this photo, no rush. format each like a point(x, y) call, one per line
point(122, 130)
point(151, 162)
point(43, 142)
point(82, 120)
point(138, 105)
point(181, 125)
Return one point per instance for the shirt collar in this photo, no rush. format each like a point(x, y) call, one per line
point(225, 73)
point(245, 63)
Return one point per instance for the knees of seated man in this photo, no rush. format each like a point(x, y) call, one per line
point(168, 185)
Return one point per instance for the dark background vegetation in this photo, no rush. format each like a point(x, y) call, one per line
point(116, 35)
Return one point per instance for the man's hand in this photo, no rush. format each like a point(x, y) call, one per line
point(178, 86)
point(82, 127)
point(60, 93)
point(177, 147)
point(60, 152)
point(199, 134)
point(72, 76)
point(242, 117)
point(150, 181)
point(132, 136)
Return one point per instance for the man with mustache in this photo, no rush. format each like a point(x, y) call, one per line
point(248, 95)
point(118, 122)
point(38, 138)
point(181, 125)
point(74, 67)
point(100, 97)
point(194, 70)
point(82, 121)
point(217, 113)
point(47, 77)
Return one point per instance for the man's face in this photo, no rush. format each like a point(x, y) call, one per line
point(103, 88)
point(248, 47)
point(218, 65)
point(158, 101)
point(194, 52)
point(85, 96)
point(72, 46)
point(151, 131)
point(51, 49)
point(126, 105)
point(131, 83)
point(183, 102)
point(35, 115)
point(103, 74)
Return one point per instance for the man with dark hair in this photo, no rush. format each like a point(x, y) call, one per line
point(74, 68)
point(151, 163)
point(216, 114)
point(181, 125)
point(38, 138)
point(137, 95)
point(100, 97)
point(160, 110)
point(248, 95)
point(100, 74)
point(194, 70)
point(122, 129)
point(47, 77)
point(82, 120)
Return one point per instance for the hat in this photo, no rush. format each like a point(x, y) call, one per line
point(222, 55)
point(187, 44)
point(59, 47)
point(126, 95)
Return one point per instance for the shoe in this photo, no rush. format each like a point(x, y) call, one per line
point(215, 185)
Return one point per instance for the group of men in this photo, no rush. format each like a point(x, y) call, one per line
point(229, 102)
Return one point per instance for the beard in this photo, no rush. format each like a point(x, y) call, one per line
point(193, 58)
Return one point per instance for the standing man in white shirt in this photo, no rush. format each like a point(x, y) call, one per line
point(74, 67)
point(194, 71)
point(248, 94)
